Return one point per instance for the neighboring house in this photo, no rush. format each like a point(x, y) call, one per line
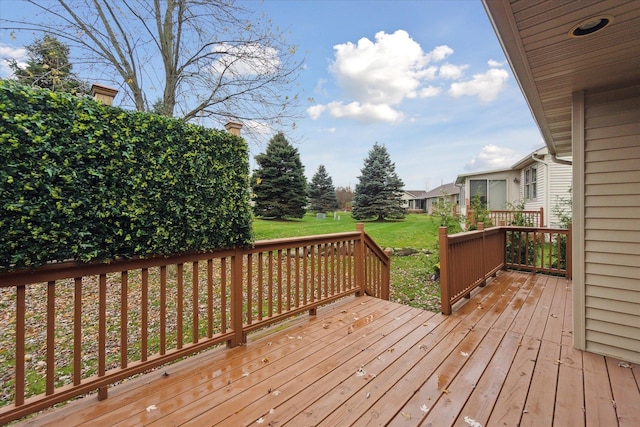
point(545, 183)
point(496, 188)
point(414, 199)
point(578, 64)
point(450, 191)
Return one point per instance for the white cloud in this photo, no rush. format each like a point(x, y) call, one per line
point(258, 127)
point(452, 72)
point(384, 71)
point(247, 59)
point(495, 64)
point(486, 86)
point(364, 112)
point(429, 91)
point(493, 157)
point(316, 110)
point(7, 53)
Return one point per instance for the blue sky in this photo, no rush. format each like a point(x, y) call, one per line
point(427, 79)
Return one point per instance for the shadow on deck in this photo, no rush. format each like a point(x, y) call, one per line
point(503, 358)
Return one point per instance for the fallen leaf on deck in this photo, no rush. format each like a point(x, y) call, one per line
point(479, 305)
point(276, 392)
point(151, 408)
point(445, 391)
point(265, 360)
point(245, 374)
point(559, 362)
point(407, 416)
point(361, 372)
point(325, 326)
point(391, 350)
point(260, 420)
point(368, 395)
point(424, 408)
point(472, 422)
point(554, 315)
point(464, 353)
point(271, 411)
point(624, 365)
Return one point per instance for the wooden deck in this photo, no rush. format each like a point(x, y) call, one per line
point(502, 359)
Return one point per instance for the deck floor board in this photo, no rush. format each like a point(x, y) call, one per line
point(504, 357)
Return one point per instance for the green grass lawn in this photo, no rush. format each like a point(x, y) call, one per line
point(410, 275)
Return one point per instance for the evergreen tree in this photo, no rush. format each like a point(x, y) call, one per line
point(378, 193)
point(48, 67)
point(279, 186)
point(322, 194)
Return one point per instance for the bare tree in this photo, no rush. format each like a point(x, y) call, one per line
point(184, 58)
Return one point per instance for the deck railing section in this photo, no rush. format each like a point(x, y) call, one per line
point(79, 328)
point(468, 259)
point(530, 218)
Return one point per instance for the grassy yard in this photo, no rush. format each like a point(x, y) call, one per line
point(410, 275)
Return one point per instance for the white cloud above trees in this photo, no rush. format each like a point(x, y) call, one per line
point(376, 76)
point(493, 157)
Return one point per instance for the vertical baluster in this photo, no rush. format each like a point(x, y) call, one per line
point(297, 286)
point(180, 305)
point(332, 257)
point(195, 303)
point(163, 309)
point(288, 279)
point(124, 323)
point(102, 332)
point(20, 343)
point(51, 337)
point(223, 294)
point(77, 331)
point(249, 289)
point(210, 298)
point(320, 256)
point(279, 281)
point(144, 321)
point(260, 287)
point(305, 280)
point(312, 262)
point(270, 285)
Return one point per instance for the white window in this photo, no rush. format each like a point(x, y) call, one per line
point(531, 183)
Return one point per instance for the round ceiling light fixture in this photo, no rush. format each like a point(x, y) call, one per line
point(591, 25)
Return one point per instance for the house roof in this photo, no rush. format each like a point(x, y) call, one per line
point(550, 64)
point(527, 160)
point(461, 178)
point(449, 189)
point(416, 194)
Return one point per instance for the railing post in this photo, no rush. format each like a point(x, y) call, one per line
point(236, 300)
point(445, 294)
point(483, 257)
point(569, 253)
point(386, 278)
point(541, 221)
point(360, 270)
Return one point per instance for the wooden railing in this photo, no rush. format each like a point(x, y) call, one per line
point(77, 328)
point(468, 259)
point(518, 218)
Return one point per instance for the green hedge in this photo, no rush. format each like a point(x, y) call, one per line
point(83, 181)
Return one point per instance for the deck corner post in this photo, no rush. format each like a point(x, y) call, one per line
point(360, 264)
point(443, 243)
point(239, 337)
point(541, 217)
point(568, 255)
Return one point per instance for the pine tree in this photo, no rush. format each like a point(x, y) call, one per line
point(378, 193)
point(48, 67)
point(279, 186)
point(322, 194)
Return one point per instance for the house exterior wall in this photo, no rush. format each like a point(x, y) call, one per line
point(512, 189)
point(554, 183)
point(606, 137)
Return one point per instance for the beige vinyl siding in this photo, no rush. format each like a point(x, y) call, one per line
point(560, 185)
point(611, 211)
